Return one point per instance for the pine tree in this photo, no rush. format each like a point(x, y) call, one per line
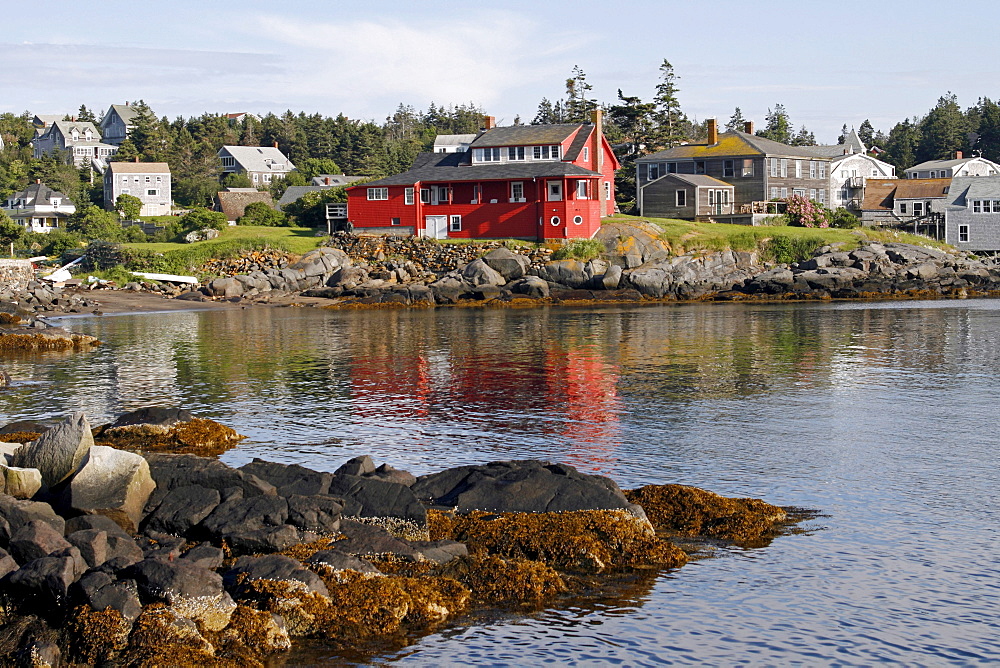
point(804, 138)
point(736, 121)
point(901, 145)
point(545, 114)
point(668, 117)
point(85, 115)
point(989, 129)
point(843, 134)
point(578, 106)
point(943, 131)
point(633, 118)
point(779, 127)
point(866, 133)
point(147, 134)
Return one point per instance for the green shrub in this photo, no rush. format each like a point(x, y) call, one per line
point(579, 249)
point(203, 219)
point(785, 250)
point(844, 219)
point(781, 220)
point(259, 214)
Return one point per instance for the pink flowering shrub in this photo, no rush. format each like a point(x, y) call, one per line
point(803, 212)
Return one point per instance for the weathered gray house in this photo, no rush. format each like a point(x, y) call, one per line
point(118, 122)
point(758, 169)
point(689, 196)
point(261, 164)
point(957, 166)
point(149, 181)
point(972, 213)
point(79, 139)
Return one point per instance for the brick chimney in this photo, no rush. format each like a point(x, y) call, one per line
point(597, 118)
point(489, 122)
point(748, 127)
point(136, 159)
point(713, 131)
point(958, 155)
point(326, 179)
point(275, 143)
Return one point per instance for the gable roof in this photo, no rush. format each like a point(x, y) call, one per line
point(233, 203)
point(736, 144)
point(853, 142)
point(45, 120)
point(125, 111)
point(964, 188)
point(259, 158)
point(334, 180)
point(527, 135)
point(945, 164)
point(921, 188)
point(67, 127)
point(699, 180)
point(878, 194)
point(139, 167)
point(452, 167)
point(38, 193)
point(453, 140)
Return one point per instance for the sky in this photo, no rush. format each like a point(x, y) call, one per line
point(828, 63)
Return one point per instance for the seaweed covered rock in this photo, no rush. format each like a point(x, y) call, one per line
point(690, 511)
point(389, 505)
point(494, 580)
point(589, 541)
point(156, 429)
point(527, 486)
point(50, 338)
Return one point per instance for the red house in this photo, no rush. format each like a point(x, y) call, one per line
point(527, 182)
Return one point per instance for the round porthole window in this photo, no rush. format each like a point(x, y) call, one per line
point(578, 220)
point(555, 221)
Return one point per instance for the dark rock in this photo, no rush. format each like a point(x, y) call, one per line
point(611, 278)
point(320, 514)
point(390, 474)
point(43, 584)
point(153, 416)
point(371, 498)
point(205, 555)
point(183, 508)
point(440, 551)
point(360, 465)
point(157, 545)
point(92, 544)
point(191, 296)
point(23, 426)
point(59, 452)
point(168, 581)
point(101, 591)
point(340, 561)
point(246, 514)
point(289, 478)
point(105, 524)
point(274, 567)
point(7, 563)
point(366, 540)
point(172, 471)
point(521, 486)
point(572, 273)
point(79, 563)
point(478, 274)
point(531, 286)
point(264, 540)
point(122, 551)
point(507, 263)
point(35, 540)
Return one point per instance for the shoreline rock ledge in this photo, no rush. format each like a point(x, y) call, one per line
point(126, 558)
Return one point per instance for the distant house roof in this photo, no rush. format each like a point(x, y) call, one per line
point(293, 193)
point(853, 142)
point(126, 112)
point(736, 143)
point(921, 188)
point(139, 167)
point(334, 180)
point(259, 158)
point(700, 180)
point(878, 193)
point(946, 164)
point(451, 167)
point(527, 135)
point(38, 193)
point(67, 127)
point(233, 203)
point(45, 120)
point(452, 141)
point(964, 188)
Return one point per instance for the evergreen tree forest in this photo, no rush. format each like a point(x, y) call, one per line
point(635, 125)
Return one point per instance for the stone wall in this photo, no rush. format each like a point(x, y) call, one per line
point(15, 274)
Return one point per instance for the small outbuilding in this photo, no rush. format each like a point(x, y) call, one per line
point(688, 197)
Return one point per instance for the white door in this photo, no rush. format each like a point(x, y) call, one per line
point(555, 191)
point(436, 227)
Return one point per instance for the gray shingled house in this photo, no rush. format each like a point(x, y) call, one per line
point(972, 213)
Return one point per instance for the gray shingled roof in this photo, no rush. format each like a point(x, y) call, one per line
point(335, 180)
point(293, 193)
point(38, 193)
point(126, 112)
point(429, 167)
point(67, 127)
point(964, 188)
point(940, 164)
point(760, 145)
point(259, 158)
point(527, 135)
point(700, 180)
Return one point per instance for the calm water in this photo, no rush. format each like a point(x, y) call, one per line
point(884, 417)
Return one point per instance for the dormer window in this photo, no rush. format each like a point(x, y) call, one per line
point(486, 155)
point(55, 202)
point(546, 152)
point(515, 153)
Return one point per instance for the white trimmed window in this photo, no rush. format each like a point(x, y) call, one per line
point(455, 224)
point(607, 190)
point(582, 189)
point(425, 195)
point(442, 193)
point(774, 193)
point(586, 153)
point(652, 171)
point(554, 220)
point(747, 167)
point(784, 193)
point(822, 170)
point(784, 168)
point(812, 169)
point(228, 161)
point(515, 153)
point(516, 191)
point(376, 193)
point(774, 167)
point(821, 194)
point(680, 197)
point(902, 207)
point(728, 169)
point(395, 221)
point(812, 194)
point(476, 194)
point(486, 155)
point(550, 152)
point(963, 234)
point(408, 196)
point(152, 192)
point(798, 169)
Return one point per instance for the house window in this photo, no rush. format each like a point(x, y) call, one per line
point(845, 194)
point(578, 220)
point(653, 171)
point(586, 153)
point(515, 153)
point(228, 161)
point(394, 221)
point(152, 192)
point(977, 206)
point(784, 168)
point(671, 167)
point(822, 170)
point(963, 233)
point(555, 191)
point(812, 194)
point(821, 195)
point(874, 173)
point(918, 208)
point(255, 178)
point(476, 194)
point(159, 179)
point(774, 166)
point(555, 221)
point(774, 193)
point(725, 196)
point(442, 193)
point(455, 224)
point(784, 193)
point(126, 191)
point(798, 169)
point(812, 169)
point(607, 190)
point(902, 207)
point(681, 197)
point(486, 155)
point(748, 167)
point(376, 193)
point(425, 195)
point(148, 179)
point(267, 178)
point(996, 206)
point(408, 196)
point(546, 152)
point(516, 191)
point(728, 169)
point(582, 189)
point(699, 167)
point(711, 197)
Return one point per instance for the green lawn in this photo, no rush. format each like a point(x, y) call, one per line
point(298, 240)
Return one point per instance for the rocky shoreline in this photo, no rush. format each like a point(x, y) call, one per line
point(118, 557)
